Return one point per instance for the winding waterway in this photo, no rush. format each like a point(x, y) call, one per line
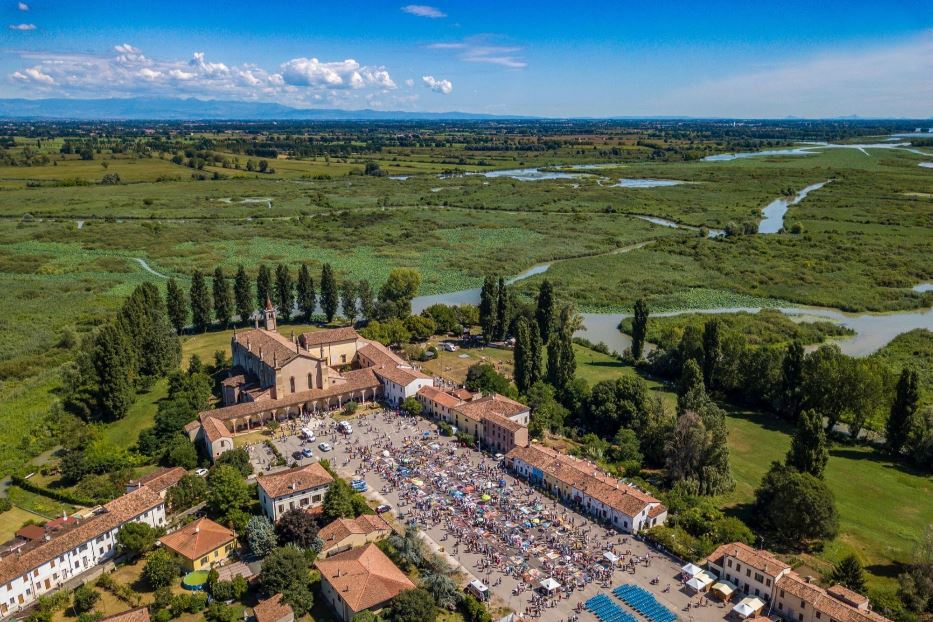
point(774, 212)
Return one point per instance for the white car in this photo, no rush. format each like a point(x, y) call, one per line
point(449, 347)
point(324, 447)
point(201, 472)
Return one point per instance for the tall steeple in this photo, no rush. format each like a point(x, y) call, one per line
point(269, 314)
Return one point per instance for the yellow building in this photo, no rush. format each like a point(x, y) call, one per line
point(200, 545)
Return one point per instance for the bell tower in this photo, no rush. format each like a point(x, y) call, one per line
point(269, 315)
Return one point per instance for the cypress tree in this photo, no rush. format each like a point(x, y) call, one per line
point(535, 355)
point(523, 354)
point(639, 328)
point(223, 297)
point(329, 293)
point(284, 290)
point(263, 286)
point(177, 305)
point(562, 362)
point(307, 297)
point(544, 311)
point(849, 573)
point(502, 311)
point(152, 343)
point(712, 353)
point(905, 405)
point(348, 300)
point(200, 302)
point(487, 308)
point(243, 294)
point(792, 380)
point(113, 366)
point(808, 451)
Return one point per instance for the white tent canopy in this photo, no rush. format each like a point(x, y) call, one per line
point(550, 584)
point(691, 570)
point(701, 581)
point(749, 606)
point(610, 557)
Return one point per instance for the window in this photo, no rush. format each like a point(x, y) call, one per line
point(310, 382)
point(759, 577)
point(803, 605)
point(729, 563)
point(291, 382)
point(768, 582)
point(738, 567)
point(782, 593)
point(343, 358)
point(203, 560)
point(817, 615)
point(800, 617)
point(748, 572)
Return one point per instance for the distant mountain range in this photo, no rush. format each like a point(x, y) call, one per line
point(189, 109)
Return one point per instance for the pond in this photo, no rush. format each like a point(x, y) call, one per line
point(711, 233)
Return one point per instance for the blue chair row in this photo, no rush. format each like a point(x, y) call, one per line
point(607, 611)
point(644, 603)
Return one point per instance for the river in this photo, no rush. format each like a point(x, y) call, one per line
point(773, 213)
point(873, 330)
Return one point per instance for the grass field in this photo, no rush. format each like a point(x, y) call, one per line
point(13, 519)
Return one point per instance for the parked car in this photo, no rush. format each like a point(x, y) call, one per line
point(450, 347)
point(307, 453)
point(324, 447)
point(297, 455)
point(383, 508)
point(202, 472)
point(345, 427)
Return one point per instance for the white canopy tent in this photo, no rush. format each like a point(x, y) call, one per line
point(549, 585)
point(610, 557)
point(691, 570)
point(749, 606)
point(701, 581)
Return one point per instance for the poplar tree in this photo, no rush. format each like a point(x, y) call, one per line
point(905, 405)
point(223, 298)
point(307, 297)
point(177, 305)
point(348, 300)
point(502, 311)
point(263, 286)
point(487, 308)
point(523, 355)
point(536, 355)
point(200, 302)
point(242, 294)
point(544, 311)
point(639, 328)
point(284, 290)
point(367, 299)
point(114, 392)
point(329, 292)
point(712, 353)
point(792, 380)
point(808, 451)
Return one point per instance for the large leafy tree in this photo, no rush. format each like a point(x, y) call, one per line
point(136, 538)
point(808, 451)
point(177, 304)
point(260, 535)
point(188, 492)
point(791, 396)
point(639, 328)
point(242, 294)
point(200, 302)
point(223, 298)
point(284, 290)
point(227, 493)
point(285, 572)
point(619, 403)
point(796, 508)
point(415, 605)
point(297, 527)
point(330, 295)
point(153, 341)
point(338, 501)
point(398, 291)
point(161, 570)
point(903, 410)
point(307, 296)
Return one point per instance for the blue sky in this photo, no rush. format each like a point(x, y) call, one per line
point(745, 58)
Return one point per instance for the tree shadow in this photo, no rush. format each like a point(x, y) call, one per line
point(766, 421)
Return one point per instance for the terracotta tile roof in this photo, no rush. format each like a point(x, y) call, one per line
point(140, 614)
point(380, 355)
point(214, 429)
point(197, 539)
point(270, 347)
point(491, 404)
point(760, 560)
point(364, 577)
point(337, 530)
point(234, 380)
point(192, 426)
point(356, 380)
point(160, 479)
point(502, 422)
point(820, 600)
point(463, 394)
point(402, 376)
point(272, 610)
point(111, 516)
point(439, 397)
point(319, 338)
point(295, 480)
point(656, 511)
point(31, 532)
point(587, 478)
point(843, 593)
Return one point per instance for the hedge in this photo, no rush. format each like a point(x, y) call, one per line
point(58, 495)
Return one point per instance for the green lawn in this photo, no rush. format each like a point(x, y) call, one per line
point(125, 432)
point(883, 509)
point(13, 519)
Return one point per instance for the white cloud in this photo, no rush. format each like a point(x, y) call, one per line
point(878, 81)
point(127, 71)
point(34, 74)
point(477, 50)
point(423, 10)
point(438, 86)
point(22, 26)
point(22, 6)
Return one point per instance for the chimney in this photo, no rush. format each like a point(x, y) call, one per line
point(197, 529)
